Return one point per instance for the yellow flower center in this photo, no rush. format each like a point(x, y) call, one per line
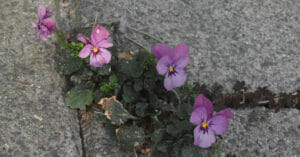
point(95, 50)
point(204, 125)
point(171, 69)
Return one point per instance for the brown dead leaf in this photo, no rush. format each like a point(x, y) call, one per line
point(146, 150)
point(39, 118)
point(114, 110)
point(127, 55)
point(104, 104)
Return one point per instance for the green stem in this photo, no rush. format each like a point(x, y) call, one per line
point(63, 44)
point(177, 95)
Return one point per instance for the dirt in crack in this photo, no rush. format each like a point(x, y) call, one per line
point(79, 115)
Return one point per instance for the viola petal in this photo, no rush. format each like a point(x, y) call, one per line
point(96, 60)
point(99, 33)
point(50, 24)
point(226, 113)
point(85, 51)
point(218, 124)
point(203, 139)
point(44, 35)
point(202, 101)
point(161, 50)
point(41, 12)
point(37, 34)
point(198, 116)
point(181, 50)
point(163, 64)
point(104, 44)
point(83, 39)
point(106, 55)
point(182, 62)
point(175, 80)
point(49, 13)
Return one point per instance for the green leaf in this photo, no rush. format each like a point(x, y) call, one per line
point(105, 70)
point(140, 109)
point(157, 136)
point(79, 97)
point(98, 95)
point(68, 65)
point(129, 94)
point(164, 106)
point(81, 76)
point(111, 88)
point(130, 137)
point(190, 151)
point(138, 85)
point(115, 111)
point(131, 68)
point(149, 62)
point(162, 148)
point(178, 128)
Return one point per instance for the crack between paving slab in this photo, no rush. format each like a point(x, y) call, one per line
point(81, 134)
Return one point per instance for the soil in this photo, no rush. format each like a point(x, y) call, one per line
point(242, 98)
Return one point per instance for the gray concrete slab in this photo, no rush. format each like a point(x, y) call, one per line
point(252, 132)
point(261, 132)
point(34, 120)
point(252, 41)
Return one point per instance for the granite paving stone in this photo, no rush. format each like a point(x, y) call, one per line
point(253, 41)
point(34, 120)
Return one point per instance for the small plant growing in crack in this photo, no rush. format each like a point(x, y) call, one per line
point(145, 100)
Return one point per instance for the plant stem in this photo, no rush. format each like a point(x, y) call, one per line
point(138, 44)
point(177, 95)
point(63, 44)
point(147, 34)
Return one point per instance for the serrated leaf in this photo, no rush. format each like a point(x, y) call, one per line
point(138, 85)
point(178, 128)
point(164, 106)
point(68, 65)
point(190, 151)
point(162, 147)
point(140, 109)
point(130, 137)
point(79, 97)
point(81, 76)
point(98, 95)
point(157, 136)
point(129, 95)
point(131, 68)
point(115, 111)
point(105, 70)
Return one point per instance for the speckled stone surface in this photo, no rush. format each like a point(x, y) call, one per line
point(261, 132)
point(253, 41)
point(34, 121)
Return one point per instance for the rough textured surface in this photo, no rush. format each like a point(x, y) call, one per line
point(34, 120)
point(252, 132)
point(252, 41)
point(96, 140)
point(255, 41)
point(261, 132)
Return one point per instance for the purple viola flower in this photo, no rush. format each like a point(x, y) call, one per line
point(45, 25)
point(171, 63)
point(96, 47)
point(208, 125)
